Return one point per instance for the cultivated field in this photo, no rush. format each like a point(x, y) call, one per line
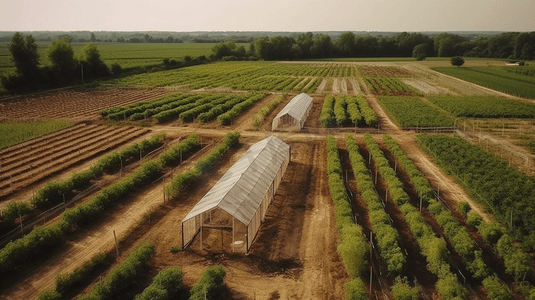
point(403, 181)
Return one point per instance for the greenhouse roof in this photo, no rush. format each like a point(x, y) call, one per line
point(297, 107)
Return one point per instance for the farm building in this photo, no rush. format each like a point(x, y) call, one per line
point(238, 202)
point(294, 114)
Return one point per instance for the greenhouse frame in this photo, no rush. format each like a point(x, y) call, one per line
point(239, 200)
point(293, 116)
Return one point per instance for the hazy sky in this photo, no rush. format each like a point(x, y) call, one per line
point(265, 15)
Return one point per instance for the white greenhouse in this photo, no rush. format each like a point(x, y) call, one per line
point(238, 202)
point(294, 114)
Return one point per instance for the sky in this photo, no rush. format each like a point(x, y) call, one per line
point(267, 15)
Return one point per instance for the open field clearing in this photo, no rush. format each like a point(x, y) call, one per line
point(360, 213)
point(72, 104)
point(515, 84)
point(14, 132)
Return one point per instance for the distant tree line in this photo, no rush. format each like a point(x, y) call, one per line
point(65, 68)
point(510, 45)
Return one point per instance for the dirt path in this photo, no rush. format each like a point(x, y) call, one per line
point(245, 120)
point(384, 121)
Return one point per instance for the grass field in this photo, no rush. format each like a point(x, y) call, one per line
point(495, 78)
point(127, 55)
point(12, 133)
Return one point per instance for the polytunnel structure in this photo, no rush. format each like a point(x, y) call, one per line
point(294, 114)
point(238, 202)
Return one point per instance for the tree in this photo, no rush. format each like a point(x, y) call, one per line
point(93, 38)
point(61, 55)
point(345, 44)
point(322, 46)
point(457, 61)
point(24, 55)
point(420, 52)
point(93, 66)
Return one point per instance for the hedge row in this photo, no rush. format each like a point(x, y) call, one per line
point(352, 244)
point(258, 119)
point(226, 118)
point(431, 247)
point(417, 179)
point(367, 112)
point(219, 109)
point(387, 237)
point(353, 111)
point(64, 281)
point(461, 240)
point(18, 251)
point(173, 155)
point(192, 113)
point(340, 114)
point(164, 286)
point(52, 193)
point(210, 285)
point(184, 179)
point(456, 233)
point(517, 262)
point(121, 277)
point(327, 118)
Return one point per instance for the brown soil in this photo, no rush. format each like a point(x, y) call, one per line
point(72, 104)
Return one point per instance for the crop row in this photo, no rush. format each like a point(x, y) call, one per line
point(352, 247)
point(42, 237)
point(184, 179)
point(388, 86)
point(504, 82)
point(258, 118)
point(342, 110)
point(383, 71)
point(503, 189)
point(210, 285)
point(485, 107)
point(413, 112)
point(431, 247)
point(55, 192)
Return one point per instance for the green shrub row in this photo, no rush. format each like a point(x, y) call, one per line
point(191, 114)
point(172, 156)
point(219, 109)
point(184, 179)
point(65, 281)
point(496, 290)
point(52, 193)
point(352, 244)
point(431, 247)
point(210, 285)
point(121, 277)
point(401, 290)
point(355, 290)
point(417, 179)
point(227, 117)
point(173, 113)
point(313, 86)
point(353, 111)
point(394, 185)
point(164, 286)
point(501, 188)
point(157, 107)
point(143, 105)
point(367, 112)
point(340, 114)
point(517, 262)
point(258, 118)
point(327, 118)
point(461, 240)
point(18, 251)
point(14, 209)
point(387, 237)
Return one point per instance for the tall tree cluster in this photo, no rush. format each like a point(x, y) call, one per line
point(65, 68)
point(512, 45)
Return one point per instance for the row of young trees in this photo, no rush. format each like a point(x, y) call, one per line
point(512, 45)
point(64, 67)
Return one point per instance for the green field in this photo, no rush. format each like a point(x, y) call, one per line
point(12, 133)
point(495, 78)
point(485, 107)
point(413, 112)
point(127, 55)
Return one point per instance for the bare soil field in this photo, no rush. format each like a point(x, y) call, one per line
point(72, 104)
point(29, 162)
